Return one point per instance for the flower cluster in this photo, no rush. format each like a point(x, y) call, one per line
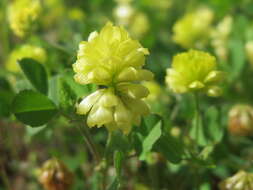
point(112, 59)
point(240, 181)
point(22, 15)
point(25, 51)
point(241, 120)
point(193, 30)
point(194, 71)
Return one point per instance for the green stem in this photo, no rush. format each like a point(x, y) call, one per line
point(4, 178)
point(197, 117)
point(91, 145)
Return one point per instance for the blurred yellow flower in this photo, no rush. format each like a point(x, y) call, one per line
point(112, 59)
point(194, 71)
point(137, 22)
point(154, 90)
point(123, 13)
point(249, 51)
point(139, 25)
point(22, 16)
point(76, 14)
point(55, 12)
point(25, 51)
point(220, 37)
point(240, 181)
point(194, 29)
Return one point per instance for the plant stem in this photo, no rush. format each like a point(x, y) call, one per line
point(4, 177)
point(197, 117)
point(91, 145)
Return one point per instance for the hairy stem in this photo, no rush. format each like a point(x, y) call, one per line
point(88, 140)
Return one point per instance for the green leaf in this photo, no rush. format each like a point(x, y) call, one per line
point(214, 129)
point(238, 57)
point(150, 140)
point(197, 132)
point(33, 108)
point(171, 147)
point(35, 73)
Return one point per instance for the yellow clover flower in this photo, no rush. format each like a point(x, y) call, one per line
point(194, 71)
point(25, 51)
point(112, 59)
point(109, 57)
point(240, 181)
point(22, 15)
point(193, 30)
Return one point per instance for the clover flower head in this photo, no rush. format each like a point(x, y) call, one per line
point(113, 60)
point(241, 120)
point(116, 110)
point(193, 29)
point(55, 175)
point(22, 15)
point(240, 181)
point(194, 71)
point(109, 57)
point(25, 51)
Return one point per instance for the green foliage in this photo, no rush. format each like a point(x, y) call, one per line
point(35, 73)
point(33, 108)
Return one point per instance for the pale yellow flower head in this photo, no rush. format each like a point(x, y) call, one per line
point(109, 57)
point(220, 37)
point(112, 59)
point(194, 71)
point(76, 14)
point(25, 51)
point(119, 108)
point(139, 24)
point(193, 29)
point(22, 16)
point(240, 181)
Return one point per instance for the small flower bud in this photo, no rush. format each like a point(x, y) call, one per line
point(54, 175)
point(241, 120)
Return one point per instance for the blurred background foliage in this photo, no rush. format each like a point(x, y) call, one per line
point(166, 27)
